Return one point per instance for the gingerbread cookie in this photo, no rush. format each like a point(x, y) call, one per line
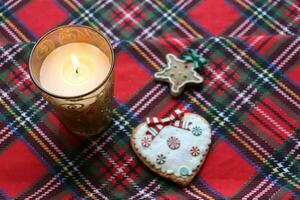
point(173, 147)
point(179, 73)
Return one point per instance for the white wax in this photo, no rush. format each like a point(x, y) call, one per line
point(63, 75)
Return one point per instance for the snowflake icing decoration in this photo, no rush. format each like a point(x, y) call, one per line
point(196, 130)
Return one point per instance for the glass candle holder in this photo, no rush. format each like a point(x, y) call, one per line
point(88, 113)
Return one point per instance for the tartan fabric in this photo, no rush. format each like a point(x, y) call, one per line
point(250, 96)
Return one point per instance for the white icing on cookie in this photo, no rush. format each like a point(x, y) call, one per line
point(177, 160)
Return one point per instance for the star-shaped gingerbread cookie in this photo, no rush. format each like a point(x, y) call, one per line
point(178, 73)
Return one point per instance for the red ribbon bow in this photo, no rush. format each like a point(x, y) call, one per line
point(155, 124)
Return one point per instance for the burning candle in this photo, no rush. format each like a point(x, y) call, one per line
point(74, 69)
point(73, 66)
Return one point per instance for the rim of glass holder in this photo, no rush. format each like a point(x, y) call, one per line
point(84, 94)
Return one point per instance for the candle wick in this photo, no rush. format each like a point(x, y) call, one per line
point(75, 63)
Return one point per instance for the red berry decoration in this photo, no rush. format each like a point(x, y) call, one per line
point(173, 142)
point(195, 151)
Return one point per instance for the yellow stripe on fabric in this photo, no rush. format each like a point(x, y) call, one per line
point(17, 31)
point(46, 148)
point(252, 61)
point(11, 25)
point(196, 34)
point(201, 193)
point(263, 19)
point(83, 16)
point(251, 149)
point(123, 119)
point(71, 5)
point(135, 46)
point(287, 89)
point(275, 170)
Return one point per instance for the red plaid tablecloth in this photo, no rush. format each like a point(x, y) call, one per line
point(250, 96)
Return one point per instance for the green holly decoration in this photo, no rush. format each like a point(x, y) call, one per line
point(192, 56)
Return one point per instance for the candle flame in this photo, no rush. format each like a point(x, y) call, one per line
point(75, 62)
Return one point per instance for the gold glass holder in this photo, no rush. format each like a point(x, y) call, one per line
point(87, 114)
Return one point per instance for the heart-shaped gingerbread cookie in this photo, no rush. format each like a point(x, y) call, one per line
point(173, 147)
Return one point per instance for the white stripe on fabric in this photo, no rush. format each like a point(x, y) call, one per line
point(160, 22)
point(128, 15)
point(86, 14)
point(260, 14)
point(251, 21)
